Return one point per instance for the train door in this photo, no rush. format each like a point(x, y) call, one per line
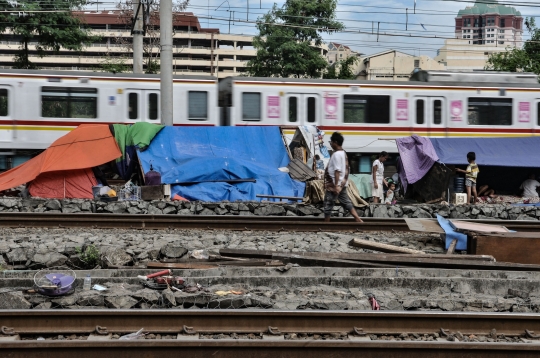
point(429, 115)
point(143, 105)
point(6, 114)
point(303, 109)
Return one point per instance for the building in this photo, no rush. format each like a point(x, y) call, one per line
point(338, 52)
point(482, 29)
point(491, 24)
point(393, 65)
point(459, 55)
point(195, 49)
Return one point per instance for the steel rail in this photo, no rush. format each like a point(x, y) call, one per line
point(258, 321)
point(263, 349)
point(230, 222)
point(261, 321)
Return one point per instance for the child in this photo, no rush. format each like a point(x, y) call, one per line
point(390, 193)
point(470, 176)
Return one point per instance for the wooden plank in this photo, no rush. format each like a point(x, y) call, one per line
point(300, 171)
point(452, 247)
point(356, 256)
point(371, 245)
point(424, 225)
point(325, 262)
point(524, 250)
point(464, 226)
point(186, 266)
point(446, 262)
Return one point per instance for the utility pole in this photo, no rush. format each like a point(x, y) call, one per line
point(166, 26)
point(137, 37)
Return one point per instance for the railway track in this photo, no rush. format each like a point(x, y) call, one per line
point(269, 223)
point(263, 333)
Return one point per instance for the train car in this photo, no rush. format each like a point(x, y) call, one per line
point(38, 107)
point(372, 113)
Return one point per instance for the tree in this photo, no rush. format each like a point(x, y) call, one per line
point(151, 42)
point(526, 59)
point(342, 70)
point(289, 37)
point(50, 25)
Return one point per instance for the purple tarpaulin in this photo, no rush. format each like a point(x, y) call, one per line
point(417, 157)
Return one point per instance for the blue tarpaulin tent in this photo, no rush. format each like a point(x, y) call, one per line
point(505, 152)
point(194, 154)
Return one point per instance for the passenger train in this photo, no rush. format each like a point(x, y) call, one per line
point(37, 107)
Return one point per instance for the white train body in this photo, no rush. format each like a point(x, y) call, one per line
point(37, 107)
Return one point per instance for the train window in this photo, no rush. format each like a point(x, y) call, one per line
point(293, 109)
point(420, 103)
point(490, 111)
point(153, 106)
point(133, 106)
point(366, 109)
point(4, 102)
point(251, 106)
point(69, 102)
point(198, 105)
point(538, 112)
point(311, 104)
point(437, 111)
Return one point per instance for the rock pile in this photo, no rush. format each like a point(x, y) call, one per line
point(156, 207)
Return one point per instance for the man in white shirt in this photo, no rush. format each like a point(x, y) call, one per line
point(529, 187)
point(336, 179)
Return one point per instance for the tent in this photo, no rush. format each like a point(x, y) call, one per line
point(203, 154)
point(64, 184)
point(69, 157)
point(503, 152)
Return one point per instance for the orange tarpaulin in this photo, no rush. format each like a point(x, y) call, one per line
point(87, 146)
point(65, 184)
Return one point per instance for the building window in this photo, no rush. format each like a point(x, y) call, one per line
point(437, 111)
point(466, 22)
point(501, 42)
point(366, 109)
point(4, 102)
point(133, 106)
point(420, 111)
point(293, 109)
point(153, 106)
point(197, 105)
point(502, 23)
point(416, 63)
point(311, 107)
point(501, 31)
point(490, 111)
point(68, 102)
point(251, 106)
point(490, 21)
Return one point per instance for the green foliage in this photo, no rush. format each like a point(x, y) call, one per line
point(342, 70)
point(51, 28)
point(152, 66)
point(526, 59)
point(287, 36)
point(114, 65)
point(90, 256)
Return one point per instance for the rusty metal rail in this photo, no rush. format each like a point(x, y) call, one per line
point(270, 223)
point(272, 324)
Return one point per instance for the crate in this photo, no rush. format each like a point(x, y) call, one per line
point(132, 193)
point(459, 198)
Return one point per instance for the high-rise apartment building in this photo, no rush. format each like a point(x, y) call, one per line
point(489, 23)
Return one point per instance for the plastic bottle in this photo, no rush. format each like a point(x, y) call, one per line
point(87, 283)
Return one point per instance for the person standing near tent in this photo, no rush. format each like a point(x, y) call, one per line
point(336, 179)
point(377, 180)
point(471, 173)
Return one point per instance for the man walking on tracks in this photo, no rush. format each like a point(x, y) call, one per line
point(335, 179)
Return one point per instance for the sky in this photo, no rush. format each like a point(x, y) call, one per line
point(360, 18)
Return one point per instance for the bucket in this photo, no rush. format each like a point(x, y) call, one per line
point(459, 185)
point(95, 191)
